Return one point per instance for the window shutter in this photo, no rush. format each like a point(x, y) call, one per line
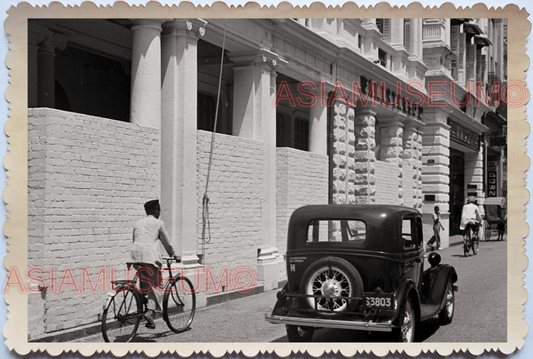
point(379, 24)
point(386, 30)
point(407, 34)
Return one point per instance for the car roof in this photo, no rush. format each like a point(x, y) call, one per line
point(383, 221)
point(372, 212)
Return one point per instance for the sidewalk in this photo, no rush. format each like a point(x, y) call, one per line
point(456, 240)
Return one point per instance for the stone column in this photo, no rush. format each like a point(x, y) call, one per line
point(340, 153)
point(318, 128)
point(391, 146)
point(145, 108)
point(474, 172)
point(471, 57)
point(255, 117)
point(436, 170)
point(46, 55)
point(178, 134)
point(365, 158)
point(412, 157)
point(396, 31)
point(418, 171)
point(415, 36)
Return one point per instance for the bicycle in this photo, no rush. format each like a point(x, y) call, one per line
point(471, 238)
point(124, 309)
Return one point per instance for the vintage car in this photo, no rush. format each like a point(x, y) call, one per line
point(360, 267)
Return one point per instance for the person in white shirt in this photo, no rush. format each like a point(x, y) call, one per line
point(470, 213)
point(147, 234)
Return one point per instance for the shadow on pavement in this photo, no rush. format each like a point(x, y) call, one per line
point(150, 338)
point(426, 329)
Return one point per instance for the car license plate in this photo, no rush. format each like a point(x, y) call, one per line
point(378, 301)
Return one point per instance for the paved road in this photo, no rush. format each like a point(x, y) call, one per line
point(481, 311)
point(481, 302)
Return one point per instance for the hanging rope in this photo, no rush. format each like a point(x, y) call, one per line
point(206, 224)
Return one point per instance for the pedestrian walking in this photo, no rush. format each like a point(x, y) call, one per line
point(437, 226)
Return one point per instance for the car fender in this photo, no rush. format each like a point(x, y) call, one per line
point(434, 282)
point(408, 288)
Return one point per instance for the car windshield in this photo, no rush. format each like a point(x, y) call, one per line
point(336, 230)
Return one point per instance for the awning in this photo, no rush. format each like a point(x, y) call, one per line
point(498, 201)
point(471, 28)
point(482, 40)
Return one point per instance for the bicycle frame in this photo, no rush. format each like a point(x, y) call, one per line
point(125, 285)
point(130, 307)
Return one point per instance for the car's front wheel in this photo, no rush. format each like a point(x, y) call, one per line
point(299, 334)
point(446, 314)
point(331, 281)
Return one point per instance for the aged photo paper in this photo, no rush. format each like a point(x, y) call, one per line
point(315, 170)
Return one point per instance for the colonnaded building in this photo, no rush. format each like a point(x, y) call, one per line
point(310, 111)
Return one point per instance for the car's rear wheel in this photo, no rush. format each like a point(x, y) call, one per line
point(405, 333)
point(334, 280)
point(446, 314)
point(299, 334)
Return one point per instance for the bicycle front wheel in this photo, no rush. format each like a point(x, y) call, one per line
point(179, 304)
point(121, 317)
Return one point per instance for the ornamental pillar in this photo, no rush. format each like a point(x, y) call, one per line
point(364, 157)
point(254, 117)
point(436, 171)
point(391, 146)
point(412, 162)
point(318, 128)
point(340, 154)
point(145, 108)
point(179, 133)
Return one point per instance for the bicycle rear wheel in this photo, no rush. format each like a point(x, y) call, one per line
point(475, 243)
point(121, 316)
point(179, 304)
point(466, 242)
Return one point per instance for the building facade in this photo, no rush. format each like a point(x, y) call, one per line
point(235, 123)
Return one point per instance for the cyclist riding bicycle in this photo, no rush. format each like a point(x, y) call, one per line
point(470, 215)
point(147, 234)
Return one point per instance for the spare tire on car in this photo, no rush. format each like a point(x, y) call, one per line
point(335, 280)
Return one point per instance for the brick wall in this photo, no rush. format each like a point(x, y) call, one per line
point(235, 200)
point(301, 179)
point(387, 188)
point(88, 178)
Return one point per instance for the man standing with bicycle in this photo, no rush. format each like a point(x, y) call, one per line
point(147, 234)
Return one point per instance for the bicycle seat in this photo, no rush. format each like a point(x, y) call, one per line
point(120, 284)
